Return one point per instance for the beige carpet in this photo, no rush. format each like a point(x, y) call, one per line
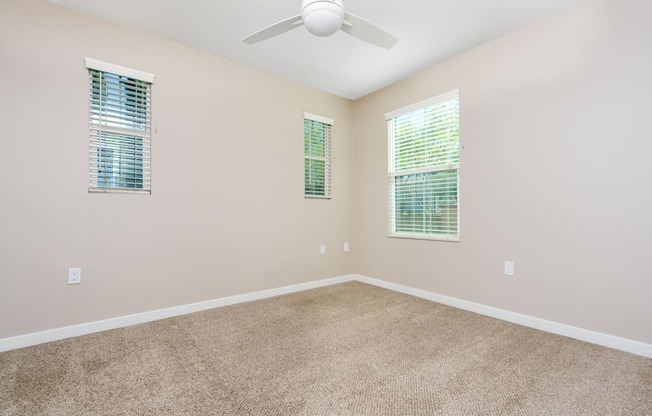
point(349, 349)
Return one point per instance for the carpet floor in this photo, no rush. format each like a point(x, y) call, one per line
point(347, 349)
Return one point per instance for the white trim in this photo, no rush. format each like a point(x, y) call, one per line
point(581, 334)
point(109, 190)
point(92, 63)
point(421, 104)
point(321, 119)
point(318, 197)
point(36, 338)
point(598, 338)
point(431, 237)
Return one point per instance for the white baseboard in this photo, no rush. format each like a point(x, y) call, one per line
point(593, 337)
point(581, 334)
point(36, 338)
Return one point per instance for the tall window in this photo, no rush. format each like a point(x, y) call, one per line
point(119, 111)
point(424, 163)
point(317, 156)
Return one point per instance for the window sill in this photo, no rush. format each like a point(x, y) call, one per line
point(414, 236)
point(118, 191)
point(317, 197)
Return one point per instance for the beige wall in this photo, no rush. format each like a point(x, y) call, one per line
point(556, 124)
point(226, 215)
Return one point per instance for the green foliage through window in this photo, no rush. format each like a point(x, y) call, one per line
point(316, 146)
point(424, 170)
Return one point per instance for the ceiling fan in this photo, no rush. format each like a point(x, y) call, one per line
point(324, 18)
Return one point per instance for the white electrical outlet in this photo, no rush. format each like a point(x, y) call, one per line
point(322, 249)
point(346, 247)
point(74, 275)
point(509, 268)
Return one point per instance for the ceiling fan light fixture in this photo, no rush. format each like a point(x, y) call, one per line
point(322, 17)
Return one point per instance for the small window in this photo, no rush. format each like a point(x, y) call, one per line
point(317, 156)
point(424, 165)
point(120, 136)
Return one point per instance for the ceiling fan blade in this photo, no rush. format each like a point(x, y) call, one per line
point(274, 30)
point(367, 31)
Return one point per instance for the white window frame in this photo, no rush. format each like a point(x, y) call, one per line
point(100, 124)
point(327, 158)
point(393, 173)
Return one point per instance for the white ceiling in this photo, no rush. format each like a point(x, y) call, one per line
point(428, 31)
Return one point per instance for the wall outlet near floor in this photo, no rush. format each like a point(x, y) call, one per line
point(346, 247)
point(74, 275)
point(322, 249)
point(509, 268)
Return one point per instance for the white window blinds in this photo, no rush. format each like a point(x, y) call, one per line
point(120, 136)
point(424, 156)
point(317, 156)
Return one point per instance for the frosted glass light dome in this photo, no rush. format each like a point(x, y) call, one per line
point(322, 17)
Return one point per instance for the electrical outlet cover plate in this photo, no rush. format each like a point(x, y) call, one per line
point(74, 275)
point(509, 268)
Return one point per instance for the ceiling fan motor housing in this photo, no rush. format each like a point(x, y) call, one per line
point(322, 17)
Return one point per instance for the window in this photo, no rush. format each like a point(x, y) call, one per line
point(119, 115)
point(317, 156)
point(424, 163)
